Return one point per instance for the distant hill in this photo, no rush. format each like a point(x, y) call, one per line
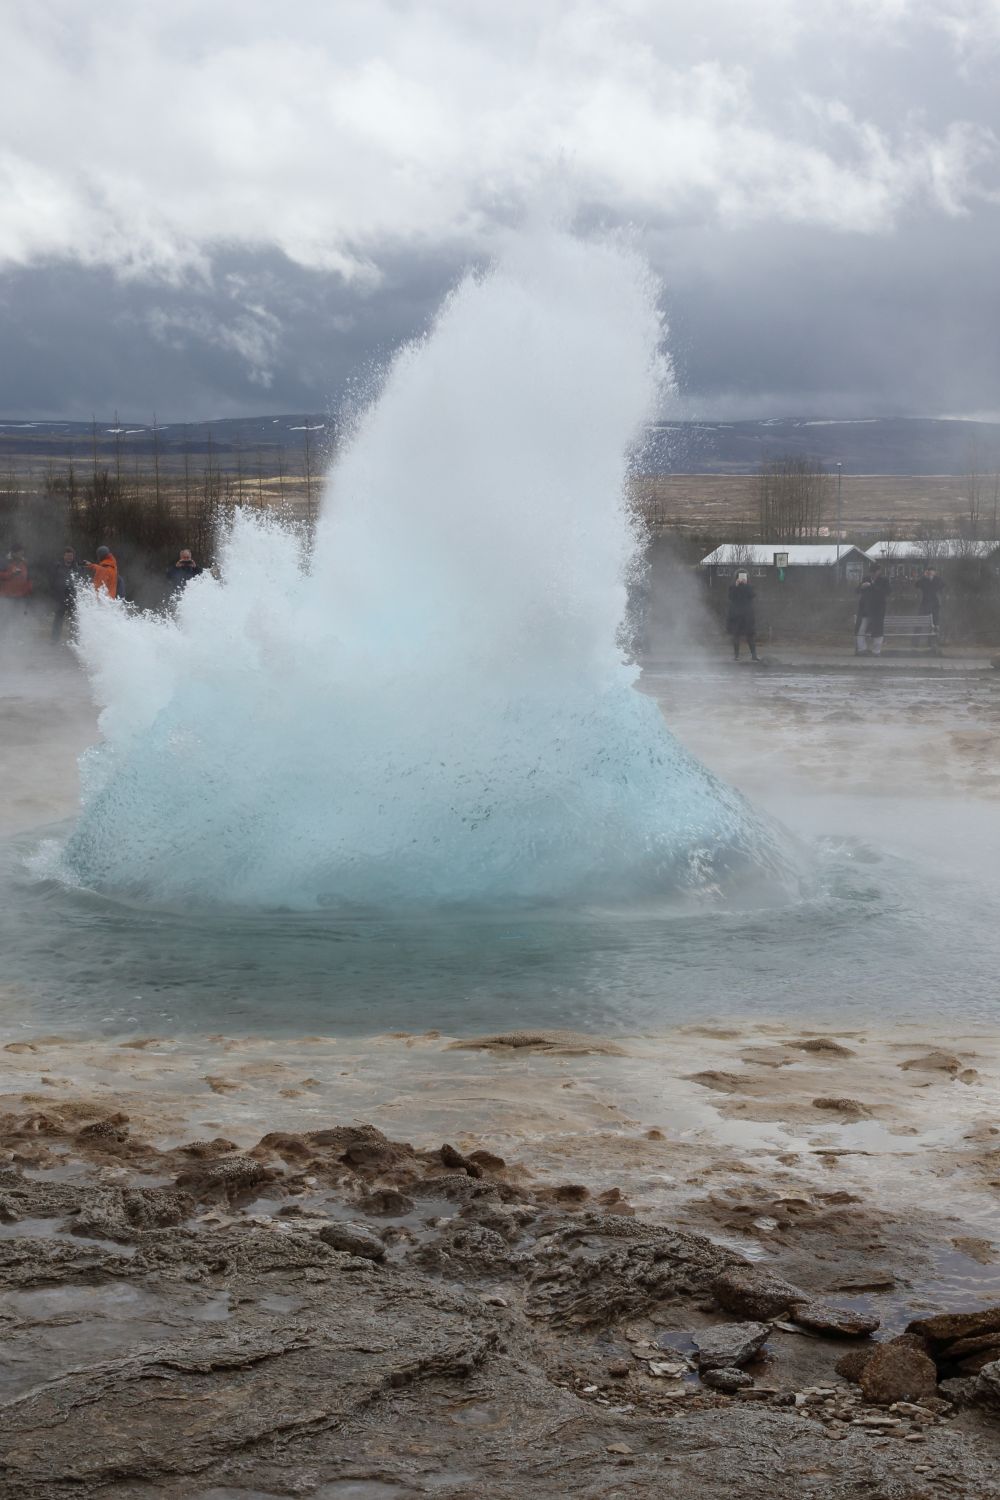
point(869, 445)
point(228, 444)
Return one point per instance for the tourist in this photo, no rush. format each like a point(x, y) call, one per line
point(105, 571)
point(741, 621)
point(15, 582)
point(872, 598)
point(861, 616)
point(65, 576)
point(930, 587)
point(183, 570)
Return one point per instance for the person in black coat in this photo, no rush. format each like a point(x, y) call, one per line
point(930, 587)
point(741, 620)
point(183, 570)
point(66, 574)
point(873, 596)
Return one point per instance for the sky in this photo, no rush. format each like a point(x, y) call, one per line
point(213, 209)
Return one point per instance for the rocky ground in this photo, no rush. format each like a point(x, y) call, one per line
point(330, 1312)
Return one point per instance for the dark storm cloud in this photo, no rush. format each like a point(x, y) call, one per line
point(261, 204)
point(260, 335)
point(804, 322)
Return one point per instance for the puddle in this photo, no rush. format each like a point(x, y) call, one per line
point(475, 1414)
point(49, 1229)
point(414, 1223)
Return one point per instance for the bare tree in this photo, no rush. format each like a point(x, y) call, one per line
point(308, 467)
point(972, 483)
point(793, 494)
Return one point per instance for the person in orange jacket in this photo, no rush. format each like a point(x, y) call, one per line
point(14, 580)
point(105, 571)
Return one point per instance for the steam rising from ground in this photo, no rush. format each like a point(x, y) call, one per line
point(431, 708)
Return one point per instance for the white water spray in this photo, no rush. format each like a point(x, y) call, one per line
point(432, 709)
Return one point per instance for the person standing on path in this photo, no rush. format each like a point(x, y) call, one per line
point(872, 599)
point(930, 587)
point(861, 617)
point(105, 571)
point(741, 619)
point(15, 584)
point(15, 581)
point(66, 574)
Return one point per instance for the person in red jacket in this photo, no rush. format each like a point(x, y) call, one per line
point(15, 582)
point(105, 571)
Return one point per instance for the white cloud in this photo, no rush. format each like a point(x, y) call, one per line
point(143, 137)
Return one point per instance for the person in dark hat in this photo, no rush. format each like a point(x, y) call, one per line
point(741, 619)
point(873, 596)
point(930, 587)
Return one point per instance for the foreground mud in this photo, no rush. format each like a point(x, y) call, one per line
point(326, 1311)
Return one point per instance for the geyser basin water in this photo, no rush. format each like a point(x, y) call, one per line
point(429, 708)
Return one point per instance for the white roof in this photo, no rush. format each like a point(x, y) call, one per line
point(761, 554)
point(930, 549)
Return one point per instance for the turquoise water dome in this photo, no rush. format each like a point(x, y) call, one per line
point(427, 707)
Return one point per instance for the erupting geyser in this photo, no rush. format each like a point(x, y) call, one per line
point(431, 708)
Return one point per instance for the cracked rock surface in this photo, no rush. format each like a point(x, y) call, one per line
point(338, 1314)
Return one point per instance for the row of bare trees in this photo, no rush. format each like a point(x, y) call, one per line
point(146, 514)
point(795, 497)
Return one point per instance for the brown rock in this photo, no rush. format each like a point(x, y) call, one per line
point(852, 1364)
point(823, 1044)
point(353, 1239)
point(948, 1328)
point(387, 1203)
point(289, 1147)
point(842, 1322)
point(727, 1346)
point(973, 1363)
point(571, 1192)
point(898, 1373)
point(226, 1176)
point(852, 1107)
point(973, 1345)
point(727, 1380)
point(754, 1292)
point(934, 1062)
point(114, 1128)
point(205, 1150)
point(566, 1043)
point(457, 1162)
point(488, 1160)
point(714, 1078)
point(987, 1387)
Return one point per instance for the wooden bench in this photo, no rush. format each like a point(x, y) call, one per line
point(911, 633)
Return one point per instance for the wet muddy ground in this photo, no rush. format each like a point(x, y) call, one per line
point(510, 1290)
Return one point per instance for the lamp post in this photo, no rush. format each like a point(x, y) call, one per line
point(840, 515)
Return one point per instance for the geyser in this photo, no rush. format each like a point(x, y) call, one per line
point(430, 707)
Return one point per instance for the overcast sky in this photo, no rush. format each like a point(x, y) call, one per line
point(212, 208)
